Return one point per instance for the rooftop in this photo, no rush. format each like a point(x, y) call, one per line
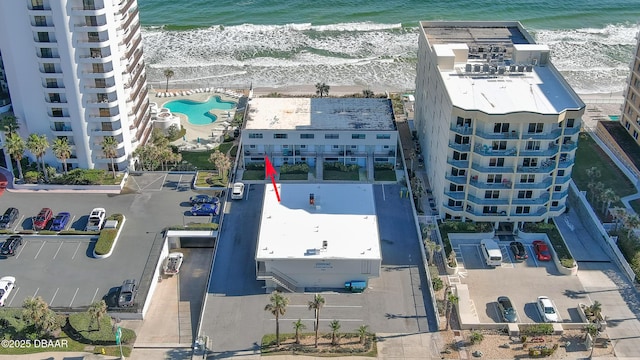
point(320, 114)
point(343, 218)
point(496, 68)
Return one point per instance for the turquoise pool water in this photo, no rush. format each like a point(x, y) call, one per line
point(614, 117)
point(198, 112)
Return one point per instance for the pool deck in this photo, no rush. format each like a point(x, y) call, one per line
point(199, 137)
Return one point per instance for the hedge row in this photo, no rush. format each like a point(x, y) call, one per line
point(108, 236)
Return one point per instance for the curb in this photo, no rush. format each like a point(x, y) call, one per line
point(115, 241)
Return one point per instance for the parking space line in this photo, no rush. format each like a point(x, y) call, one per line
point(384, 198)
point(74, 254)
point(20, 251)
point(18, 223)
point(59, 247)
point(36, 293)
point(342, 320)
point(54, 296)
point(179, 183)
point(38, 253)
point(70, 221)
point(15, 293)
point(535, 261)
point(483, 262)
point(74, 297)
point(246, 197)
point(94, 295)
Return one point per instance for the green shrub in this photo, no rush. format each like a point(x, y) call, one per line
point(300, 168)
point(31, 177)
point(476, 337)
point(87, 331)
point(537, 329)
point(338, 166)
point(108, 236)
point(437, 283)
point(254, 166)
point(383, 166)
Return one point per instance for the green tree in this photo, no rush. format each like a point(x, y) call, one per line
point(316, 304)
point(62, 151)
point(607, 197)
point(221, 162)
point(432, 247)
point(38, 145)
point(159, 139)
point(297, 326)
point(10, 124)
point(367, 93)
point(452, 300)
point(97, 311)
point(335, 327)
point(110, 151)
point(277, 306)
point(618, 215)
point(363, 330)
point(36, 312)
point(16, 147)
point(322, 89)
point(168, 73)
point(631, 221)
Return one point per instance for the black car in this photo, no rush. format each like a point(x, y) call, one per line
point(519, 252)
point(10, 216)
point(203, 199)
point(127, 293)
point(507, 310)
point(11, 245)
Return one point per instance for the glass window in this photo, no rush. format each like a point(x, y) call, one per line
point(306, 136)
point(280, 136)
point(536, 128)
point(331, 136)
point(383, 136)
point(501, 127)
point(358, 136)
point(255, 135)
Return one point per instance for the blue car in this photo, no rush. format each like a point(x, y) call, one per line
point(204, 209)
point(60, 221)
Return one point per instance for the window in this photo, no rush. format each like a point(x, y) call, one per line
point(557, 188)
point(458, 172)
point(93, 36)
point(46, 53)
point(635, 134)
point(303, 146)
point(461, 139)
point(98, 68)
point(43, 37)
point(570, 122)
point(523, 209)
point(56, 112)
point(525, 194)
point(279, 136)
point(566, 140)
point(91, 20)
point(530, 162)
point(535, 128)
point(107, 126)
point(491, 194)
point(494, 178)
point(49, 68)
point(501, 127)
point(554, 203)
point(40, 20)
point(52, 83)
point(255, 135)
point(89, 4)
point(357, 136)
point(560, 172)
point(37, 4)
point(499, 145)
point(497, 162)
point(331, 136)
point(103, 98)
point(459, 156)
point(456, 188)
point(533, 145)
point(105, 112)
point(454, 203)
point(490, 210)
point(306, 136)
point(54, 98)
point(463, 122)
point(529, 178)
point(336, 146)
point(383, 136)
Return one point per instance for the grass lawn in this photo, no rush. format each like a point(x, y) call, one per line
point(341, 175)
point(625, 140)
point(224, 147)
point(199, 159)
point(253, 175)
point(294, 176)
point(384, 175)
point(589, 154)
point(208, 179)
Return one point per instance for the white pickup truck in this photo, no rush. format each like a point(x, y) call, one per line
point(96, 219)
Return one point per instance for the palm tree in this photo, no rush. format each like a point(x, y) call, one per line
point(97, 310)
point(168, 73)
point(221, 162)
point(452, 300)
point(335, 326)
point(363, 330)
point(10, 124)
point(596, 309)
point(632, 221)
point(607, 197)
point(367, 93)
point(297, 326)
point(110, 150)
point(37, 313)
point(62, 150)
point(618, 215)
point(16, 146)
point(277, 307)
point(596, 188)
point(38, 145)
point(432, 247)
point(322, 89)
point(316, 304)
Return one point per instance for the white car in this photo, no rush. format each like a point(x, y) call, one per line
point(7, 284)
point(238, 191)
point(547, 309)
point(96, 219)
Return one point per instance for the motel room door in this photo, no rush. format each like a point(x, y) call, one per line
point(366, 267)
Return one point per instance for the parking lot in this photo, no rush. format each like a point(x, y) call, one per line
point(521, 281)
point(61, 268)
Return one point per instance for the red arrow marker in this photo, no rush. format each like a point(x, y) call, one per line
point(271, 171)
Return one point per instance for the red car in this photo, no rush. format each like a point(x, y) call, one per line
point(542, 250)
point(40, 222)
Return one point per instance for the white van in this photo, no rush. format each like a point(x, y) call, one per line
point(491, 251)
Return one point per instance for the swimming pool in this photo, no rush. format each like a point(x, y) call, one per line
point(198, 112)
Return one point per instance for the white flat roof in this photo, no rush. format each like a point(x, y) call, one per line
point(343, 216)
point(319, 114)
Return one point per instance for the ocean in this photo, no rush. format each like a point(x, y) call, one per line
point(368, 43)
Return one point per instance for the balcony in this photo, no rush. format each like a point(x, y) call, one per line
point(535, 185)
point(484, 201)
point(539, 212)
point(569, 146)
point(539, 152)
point(551, 135)
point(562, 179)
point(543, 199)
point(565, 164)
point(535, 169)
point(462, 130)
point(510, 135)
point(490, 186)
point(571, 130)
point(463, 164)
point(105, 132)
point(486, 150)
point(61, 130)
point(559, 195)
point(93, 59)
point(458, 195)
point(99, 119)
point(459, 180)
point(97, 9)
point(460, 147)
point(493, 169)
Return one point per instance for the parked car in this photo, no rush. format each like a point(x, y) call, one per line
point(204, 209)
point(6, 285)
point(9, 218)
point(172, 263)
point(542, 250)
point(11, 245)
point(519, 252)
point(42, 219)
point(60, 221)
point(127, 293)
point(96, 219)
point(507, 310)
point(238, 191)
point(203, 199)
point(547, 309)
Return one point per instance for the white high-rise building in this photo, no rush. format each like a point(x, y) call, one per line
point(74, 69)
point(498, 123)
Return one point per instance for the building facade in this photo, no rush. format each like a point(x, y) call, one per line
point(74, 69)
point(631, 108)
point(497, 122)
point(317, 130)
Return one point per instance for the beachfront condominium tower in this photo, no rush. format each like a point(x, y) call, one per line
point(74, 70)
point(497, 123)
point(631, 108)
